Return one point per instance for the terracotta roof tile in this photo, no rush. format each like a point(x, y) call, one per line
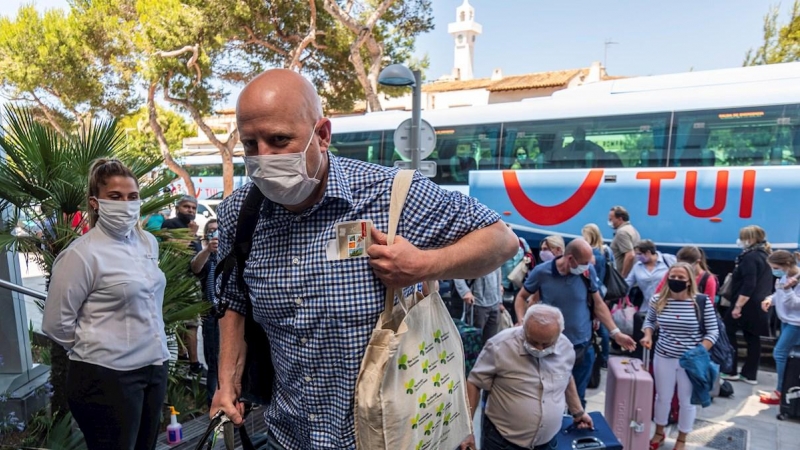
point(461, 85)
point(536, 80)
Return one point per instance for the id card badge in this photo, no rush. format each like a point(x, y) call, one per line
point(352, 240)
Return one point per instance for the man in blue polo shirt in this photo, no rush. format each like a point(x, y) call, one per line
point(566, 283)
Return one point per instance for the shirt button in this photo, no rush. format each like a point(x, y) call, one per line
point(312, 417)
point(308, 379)
point(303, 340)
point(299, 301)
point(296, 261)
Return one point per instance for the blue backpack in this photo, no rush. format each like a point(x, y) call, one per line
point(722, 351)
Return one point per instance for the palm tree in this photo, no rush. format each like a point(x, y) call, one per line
point(43, 184)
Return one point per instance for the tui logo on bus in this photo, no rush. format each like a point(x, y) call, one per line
point(544, 215)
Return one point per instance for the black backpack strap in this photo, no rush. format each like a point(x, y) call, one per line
point(242, 244)
point(701, 287)
point(700, 310)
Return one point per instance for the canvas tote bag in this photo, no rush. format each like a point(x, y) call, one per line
point(411, 391)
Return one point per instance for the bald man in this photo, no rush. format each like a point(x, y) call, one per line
point(524, 369)
point(566, 283)
point(319, 312)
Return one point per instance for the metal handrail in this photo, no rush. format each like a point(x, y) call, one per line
point(22, 290)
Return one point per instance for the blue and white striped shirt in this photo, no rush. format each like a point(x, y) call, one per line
point(319, 314)
point(679, 326)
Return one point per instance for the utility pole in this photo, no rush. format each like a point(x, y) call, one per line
point(606, 44)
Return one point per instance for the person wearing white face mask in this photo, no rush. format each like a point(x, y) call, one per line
point(751, 283)
point(521, 367)
point(567, 283)
point(104, 306)
point(314, 306)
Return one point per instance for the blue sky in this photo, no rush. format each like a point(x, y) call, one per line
point(521, 36)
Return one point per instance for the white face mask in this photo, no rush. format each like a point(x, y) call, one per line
point(611, 224)
point(118, 217)
point(283, 178)
point(579, 270)
point(742, 244)
point(536, 353)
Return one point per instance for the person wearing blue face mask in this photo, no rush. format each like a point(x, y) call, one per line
point(650, 269)
point(567, 283)
point(521, 367)
point(104, 305)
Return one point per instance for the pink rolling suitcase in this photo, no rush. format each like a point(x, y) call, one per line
point(629, 400)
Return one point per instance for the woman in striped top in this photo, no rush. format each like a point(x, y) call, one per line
point(676, 313)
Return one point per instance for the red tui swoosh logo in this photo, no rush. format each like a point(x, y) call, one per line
point(556, 214)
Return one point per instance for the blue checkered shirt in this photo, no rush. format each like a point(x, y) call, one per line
point(319, 314)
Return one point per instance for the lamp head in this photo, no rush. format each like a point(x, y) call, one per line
point(396, 75)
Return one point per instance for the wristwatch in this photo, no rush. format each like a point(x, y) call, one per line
point(578, 414)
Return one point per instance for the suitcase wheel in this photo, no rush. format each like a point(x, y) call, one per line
point(782, 416)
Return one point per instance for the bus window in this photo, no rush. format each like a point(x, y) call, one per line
point(464, 148)
point(458, 150)
point(737, 137)
point(617, 141)
point(364, 146)
point(213, 170)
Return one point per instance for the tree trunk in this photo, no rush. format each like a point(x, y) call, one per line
point(58, 378)
point(227, 173)
point(361, 73)
point(162, 142)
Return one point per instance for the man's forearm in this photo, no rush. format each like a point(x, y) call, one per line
point(473, 395)
point(475, 254)
point(521, 304)
point(232, 351)
point(627, 263)
point(573, 401)
point(199, 260)
point(602, 313)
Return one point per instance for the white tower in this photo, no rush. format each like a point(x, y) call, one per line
point(464, 30)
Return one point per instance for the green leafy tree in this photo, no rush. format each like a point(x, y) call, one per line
point(380, 31)
point(140, 137)
point(65, 67)
point(43, 181)
point(781, 42)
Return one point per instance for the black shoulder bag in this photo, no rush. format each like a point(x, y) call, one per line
point(259, 373)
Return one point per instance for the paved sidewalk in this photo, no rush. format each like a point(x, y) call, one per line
point(743, 411)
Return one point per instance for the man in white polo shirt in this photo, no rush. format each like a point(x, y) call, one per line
point(528, 372)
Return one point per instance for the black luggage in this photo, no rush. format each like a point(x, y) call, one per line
point(790, 394)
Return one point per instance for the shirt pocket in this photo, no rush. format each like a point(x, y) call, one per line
point(353, 294)
point(558, 385)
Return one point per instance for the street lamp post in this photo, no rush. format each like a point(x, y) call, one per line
point(400, 75)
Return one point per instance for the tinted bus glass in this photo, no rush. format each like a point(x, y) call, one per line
point(459, 150)
point(618, 141)
point(768, 135)
point(364, 146)
point(213, 170)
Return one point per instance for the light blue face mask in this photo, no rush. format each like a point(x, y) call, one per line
point(536, 353)
point(778, 273)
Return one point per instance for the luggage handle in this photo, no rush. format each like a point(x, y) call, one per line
point(574, 426)
point(586, 443)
